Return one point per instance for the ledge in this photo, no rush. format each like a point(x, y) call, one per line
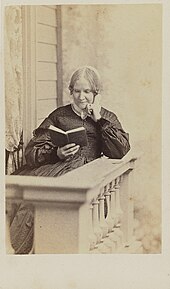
point(77, 186)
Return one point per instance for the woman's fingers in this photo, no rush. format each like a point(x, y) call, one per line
point(70, 145)
point(96, 108)
point(67, 150)
point(72, 150)
point(89, 109)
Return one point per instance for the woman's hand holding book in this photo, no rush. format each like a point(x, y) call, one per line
point(67, 151)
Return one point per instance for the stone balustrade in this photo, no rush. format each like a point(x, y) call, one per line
point(88, 210)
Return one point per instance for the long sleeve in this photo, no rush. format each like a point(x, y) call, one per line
point(107, 136)
point(115, 141)
point(40, 150)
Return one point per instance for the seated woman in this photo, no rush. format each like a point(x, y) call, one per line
point(105, 135)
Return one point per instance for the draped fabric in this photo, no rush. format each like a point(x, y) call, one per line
point(13, 80)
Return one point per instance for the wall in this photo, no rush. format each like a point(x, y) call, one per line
point(46, 59)
point(124, 43)
point(40, 64)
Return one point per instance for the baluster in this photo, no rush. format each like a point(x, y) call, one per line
point(110, 201)
point(96, 226)
point(119, 211)
point(103, 223)
point(92, 236)
point(118, 231)
point(127, 197)
point(114, 235)
point(113, 204)
point(107, 244)
point(112, 219)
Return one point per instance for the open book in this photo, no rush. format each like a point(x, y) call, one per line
point(60, 137)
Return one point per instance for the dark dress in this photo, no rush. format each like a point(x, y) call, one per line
point(105, 136)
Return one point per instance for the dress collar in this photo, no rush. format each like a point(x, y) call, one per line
point(83, 114)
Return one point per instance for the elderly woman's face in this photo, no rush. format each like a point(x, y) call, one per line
point(82, 94)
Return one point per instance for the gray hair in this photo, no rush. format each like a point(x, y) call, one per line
point(90, 74)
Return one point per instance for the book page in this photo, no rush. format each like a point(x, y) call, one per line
point(54, 128)
point(75, 130)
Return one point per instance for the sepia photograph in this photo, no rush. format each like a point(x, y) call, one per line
point(83, 129)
